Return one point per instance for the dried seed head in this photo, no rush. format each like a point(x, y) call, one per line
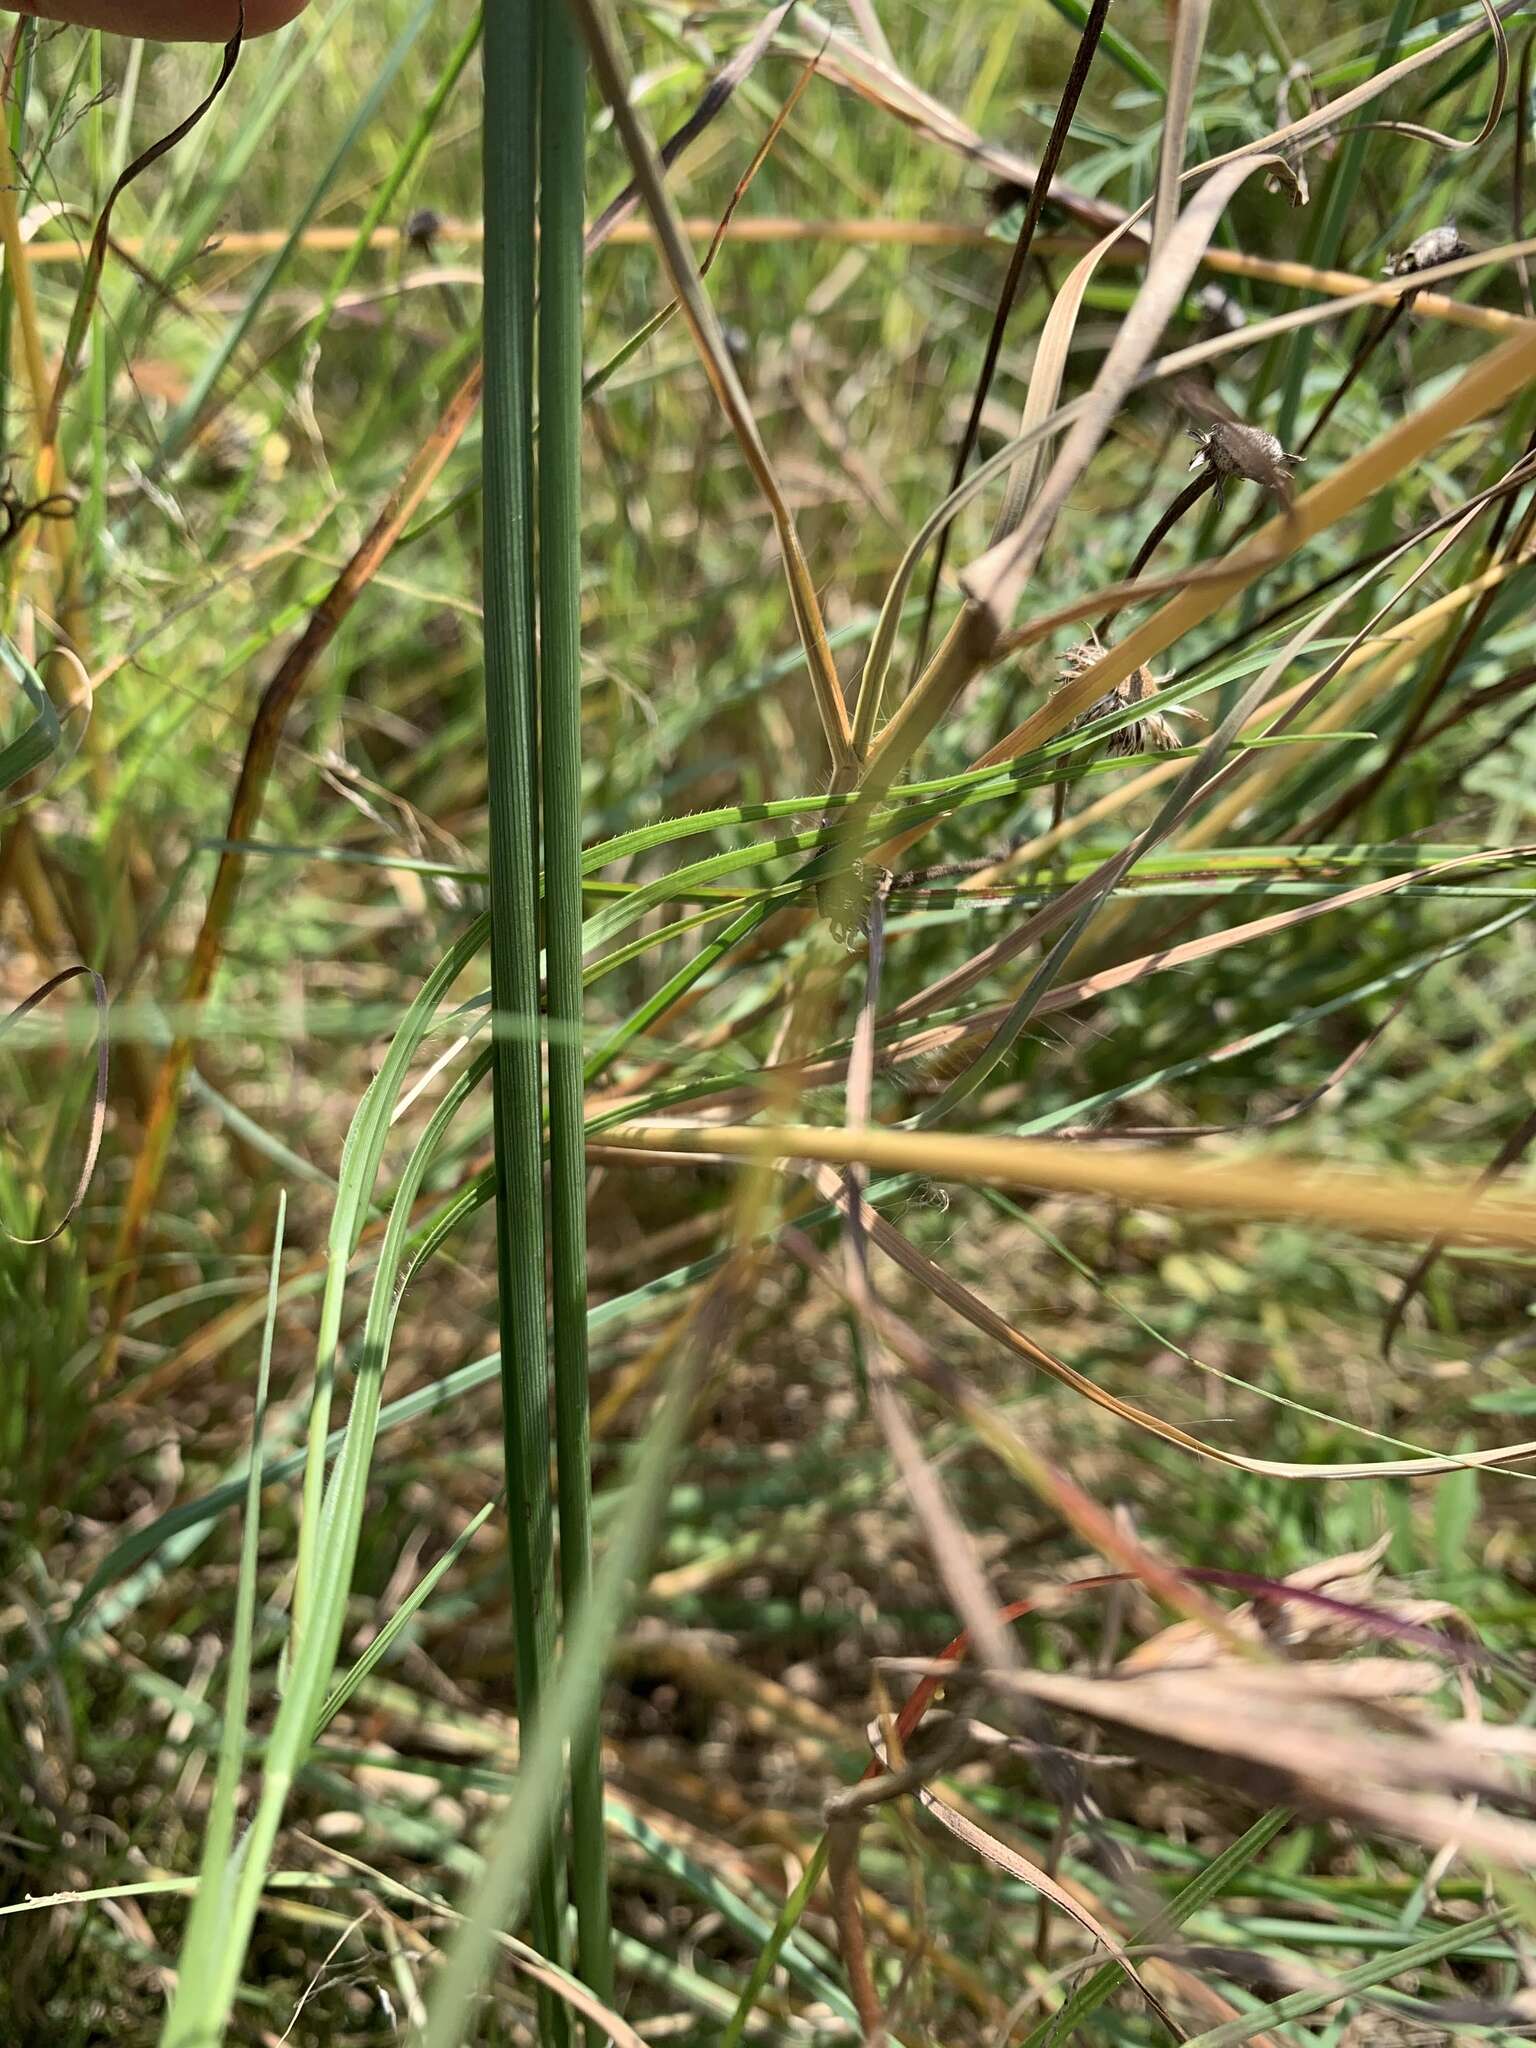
point(423, 229)
point(1440, 245)
point(1219, 310)
point(1232, 449)
point(1151, 733)
point(1077, 660)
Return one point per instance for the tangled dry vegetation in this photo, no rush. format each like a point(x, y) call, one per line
point(925, 1444)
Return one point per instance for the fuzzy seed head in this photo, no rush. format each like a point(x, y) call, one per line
point(1219, 309)
point(1229, 448)
point(1151, 733)
point(1439, 245)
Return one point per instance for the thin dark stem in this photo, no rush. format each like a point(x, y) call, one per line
point(1082, 62)
point(1438, 679)
point(1512, 1148)
point(1370, 341)
point(1481, 700)
point(1191, 494)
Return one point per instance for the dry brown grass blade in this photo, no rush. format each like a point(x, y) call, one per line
point(1371, 1203)
point(867, 231)
point(1292, 1735)
point(855, 231)
point(1491, 320)
point(1100, 1531)
point(884, 86)
point(1495, 102)
point(996, 580)
point(953, 1552)
point(19, 258)
point(1488, 384)
point(1000, 1433)
point(608, 67)
point(1183, 70)
point(245, 809)
point(712, 102)
point(1002, 1856)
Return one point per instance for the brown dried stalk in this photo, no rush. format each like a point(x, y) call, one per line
point(261, 749)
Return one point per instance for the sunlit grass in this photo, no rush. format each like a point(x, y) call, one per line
point(448, 1678)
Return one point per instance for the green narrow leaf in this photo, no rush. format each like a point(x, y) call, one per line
point(36, 740)
point(515, 1845)
point(562, 146)
point(204, 1923)
point(183, 421)
point(511, 689)
point(1364, 1978)
point(1200, 1890)
point(209, 1966)
point(1456, 1499)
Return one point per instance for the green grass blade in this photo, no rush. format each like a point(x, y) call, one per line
point(1365, 1977)
point(1207, 1885)
point(511, 1854)
point(773, 1947)
point(414, 1601)
point(184, 420)
point(562, 122)
point(205, 1922)
point(510, 144)
point(209, 1968)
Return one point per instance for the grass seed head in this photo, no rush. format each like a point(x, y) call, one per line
point(1439, 245)
point(1153, 732)
point(1232, 449)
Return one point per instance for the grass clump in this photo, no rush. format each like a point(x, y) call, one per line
point(798, 1306)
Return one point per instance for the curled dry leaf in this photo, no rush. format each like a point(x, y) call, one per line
point(1298, 1735)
